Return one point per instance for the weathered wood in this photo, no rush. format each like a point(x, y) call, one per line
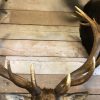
point(50, 81)
point(42, 59)
point(23, 67)
point(44, 5)
point(46, 64)
point(39, 18)
point(8, 31)
point(43, 65)
point(41, 48)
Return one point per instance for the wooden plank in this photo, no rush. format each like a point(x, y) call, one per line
point(34, 32)
point(46, 64)
point(50, 81)
point(43, 65)
point(43, 5)
point(39, 18)
point(42, 48)
point(42, 59)
point(23, 67)
point(48, 67)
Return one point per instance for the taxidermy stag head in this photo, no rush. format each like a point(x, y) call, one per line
point(75, 78)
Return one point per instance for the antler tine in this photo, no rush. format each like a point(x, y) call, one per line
point(18, 80)
point(83, 73)
point(32, 72)
point(96, 46)
point(94, 26)
point(64, 85)
point(85, 16)
point(84, 77)
point(3, 72)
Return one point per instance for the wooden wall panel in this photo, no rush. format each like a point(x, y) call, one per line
point(42, 64)
point(44, 5)
point(23, 67)
point(41, 48)
point(34, 32)
point(39, 18)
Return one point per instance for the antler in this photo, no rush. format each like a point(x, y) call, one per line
point(96, 45)
point(83, 73)
point(20, 81)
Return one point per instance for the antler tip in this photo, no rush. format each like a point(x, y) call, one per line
point(32, 72)
point(69, 78)
point(94, 62)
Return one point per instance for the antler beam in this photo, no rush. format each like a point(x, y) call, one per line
point(83, 73)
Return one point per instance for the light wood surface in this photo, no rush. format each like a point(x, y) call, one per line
point(35, 32)
point(42, 5)
point(41, 48)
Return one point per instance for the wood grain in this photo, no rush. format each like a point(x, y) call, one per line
point(35, 32)
point(41, 48)
point(42, 5)
point(48, 67)
point(23, 67)
point(39, 18)
point(46, 64)
point(62, 65)
point(42, 59)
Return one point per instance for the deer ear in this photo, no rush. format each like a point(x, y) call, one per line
point(76, 96)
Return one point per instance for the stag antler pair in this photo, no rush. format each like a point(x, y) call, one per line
point(77, 77)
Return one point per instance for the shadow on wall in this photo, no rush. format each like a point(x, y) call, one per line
point(2, 9)
point(71, 4)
